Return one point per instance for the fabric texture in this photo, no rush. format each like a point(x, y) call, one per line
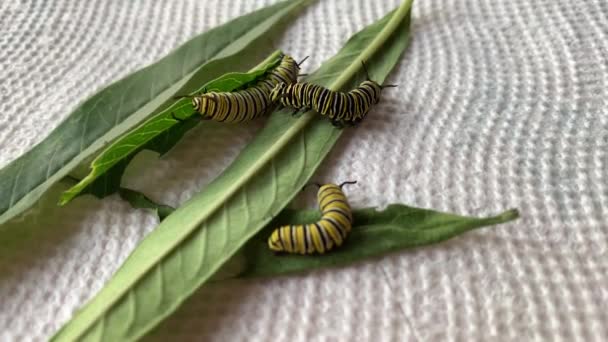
point(500, 104)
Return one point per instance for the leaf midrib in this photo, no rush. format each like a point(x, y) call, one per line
point(306, 118)
point(265, 158)
point(130, 121)
point(291, 132)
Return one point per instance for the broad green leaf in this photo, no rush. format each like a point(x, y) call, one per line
point(159, 134)
point(191, 244)
point(124, 104)
point(374, 233)
point(25, 232)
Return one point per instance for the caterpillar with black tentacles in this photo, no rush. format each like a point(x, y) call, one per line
point(322, 236)
point(249, 103)
point(340, 107)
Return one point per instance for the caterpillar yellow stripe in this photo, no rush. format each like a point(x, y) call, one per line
point(322, 236)
point(249, 103)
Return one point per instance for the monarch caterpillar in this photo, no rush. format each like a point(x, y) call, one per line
point(319, 237)
point(338, 106)
point(249, 103)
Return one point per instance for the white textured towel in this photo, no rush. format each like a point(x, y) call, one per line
point(500, 104)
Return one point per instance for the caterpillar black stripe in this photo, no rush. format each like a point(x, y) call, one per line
point(249, 103)
point(341, 108)
point(322, 236)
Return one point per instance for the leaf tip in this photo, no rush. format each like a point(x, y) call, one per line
point(65, 198)
point(508, 215)
point(68, 195)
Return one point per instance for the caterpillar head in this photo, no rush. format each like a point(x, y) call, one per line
point(292, 68)
point(327, 186)
point(277, 91)
point(375, 87)
point(274, 242)
point(197, 102)
point(205, 102)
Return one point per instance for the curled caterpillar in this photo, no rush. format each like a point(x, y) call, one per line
point(319, 237)
point(341, 108)
point(249, 103)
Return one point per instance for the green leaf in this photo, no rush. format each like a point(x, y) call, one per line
point(191, 244)
point(158, 134)
point(122, 105)
point(374, 233)
point(139, 200)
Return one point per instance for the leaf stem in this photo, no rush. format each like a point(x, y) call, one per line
point(189, 218)
point(307, 117)
point(503, 217)
point(297, 127)
point(386, 32)
point(268, 59)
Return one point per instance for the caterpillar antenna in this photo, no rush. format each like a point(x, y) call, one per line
point(347, 182)
point(302, 61)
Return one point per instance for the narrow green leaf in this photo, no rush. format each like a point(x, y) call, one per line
point(122, 105)
point(159, 134)
point(191, 244)
point(374, 233)
point(139, 200)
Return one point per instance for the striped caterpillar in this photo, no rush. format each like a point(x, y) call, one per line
point(330, 231)
point(249, 103)
point(340, 107)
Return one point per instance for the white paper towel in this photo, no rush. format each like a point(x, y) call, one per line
point(500, 104)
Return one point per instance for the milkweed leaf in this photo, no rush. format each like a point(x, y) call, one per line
point(375, 233)
point(139, 200)
point(158, 134)
point(192, 243)
point(126, 103)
